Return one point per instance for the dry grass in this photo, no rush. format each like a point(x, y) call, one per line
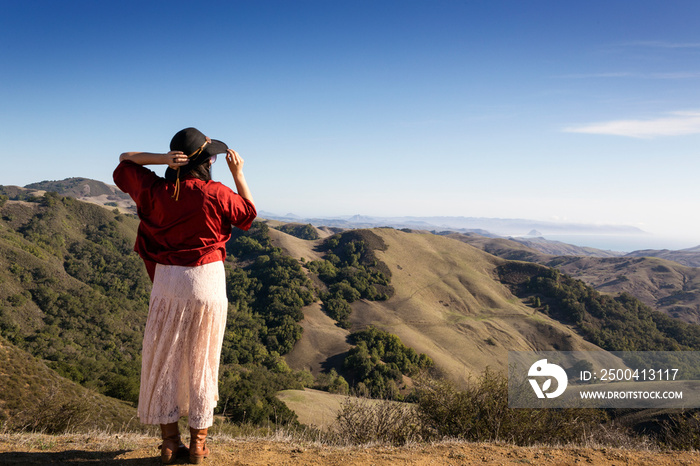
point(96, 440)
point(313, 407)
point(322, 339)
point(281, 448)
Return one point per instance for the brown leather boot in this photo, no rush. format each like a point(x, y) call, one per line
point(172, 445)
point(198, 445)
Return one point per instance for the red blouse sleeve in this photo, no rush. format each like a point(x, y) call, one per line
point(240, 211)
point(135, 180)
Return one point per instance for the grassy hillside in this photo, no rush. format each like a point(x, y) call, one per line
point(314, 407)
point(450, 305)
point(73, 292)
point(621, 323)
point(34, 397)
point(451, 302)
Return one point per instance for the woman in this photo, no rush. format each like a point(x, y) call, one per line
point(186, 220)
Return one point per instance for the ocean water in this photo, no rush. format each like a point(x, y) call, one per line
point(625, 243)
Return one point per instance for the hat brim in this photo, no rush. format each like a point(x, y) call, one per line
point(216, 147)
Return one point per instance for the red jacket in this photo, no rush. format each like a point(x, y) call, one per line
point(190, 231)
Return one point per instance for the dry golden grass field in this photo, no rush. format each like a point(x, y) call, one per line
point(136, 450)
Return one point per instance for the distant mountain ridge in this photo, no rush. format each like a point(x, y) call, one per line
point(557, 248)
point(689, 257)
point(88, 190)
point(507, 229)
point(495, 226)
point(109, 195)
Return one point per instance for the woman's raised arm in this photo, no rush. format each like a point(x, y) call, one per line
point(174, 159)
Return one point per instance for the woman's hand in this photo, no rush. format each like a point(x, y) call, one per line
point(176, 159)
point(235, 162)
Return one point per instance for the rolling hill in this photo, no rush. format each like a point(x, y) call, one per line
point(448, 304)
point(665, 285)
point(73, 292)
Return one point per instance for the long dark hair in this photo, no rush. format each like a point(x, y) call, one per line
point(201, 171)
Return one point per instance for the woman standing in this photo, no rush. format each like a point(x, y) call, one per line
point(186, 219)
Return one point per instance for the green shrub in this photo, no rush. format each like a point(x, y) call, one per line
point(248, 394)
point(307, 232)
point(339, 310)
point(332, 382)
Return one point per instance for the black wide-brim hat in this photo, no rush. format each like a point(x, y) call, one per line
point(189, 141)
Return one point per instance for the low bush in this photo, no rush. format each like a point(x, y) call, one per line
point(681, 431)
point(55, 413)
point(361, 421)
point(481, 413)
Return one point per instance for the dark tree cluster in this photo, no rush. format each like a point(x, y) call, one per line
point(351, 271)
point(379, 361)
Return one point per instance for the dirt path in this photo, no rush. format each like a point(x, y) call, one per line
point(139, 450)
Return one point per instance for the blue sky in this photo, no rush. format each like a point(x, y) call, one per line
point(550, 110)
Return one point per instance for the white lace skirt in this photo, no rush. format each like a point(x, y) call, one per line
point(182, 345)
